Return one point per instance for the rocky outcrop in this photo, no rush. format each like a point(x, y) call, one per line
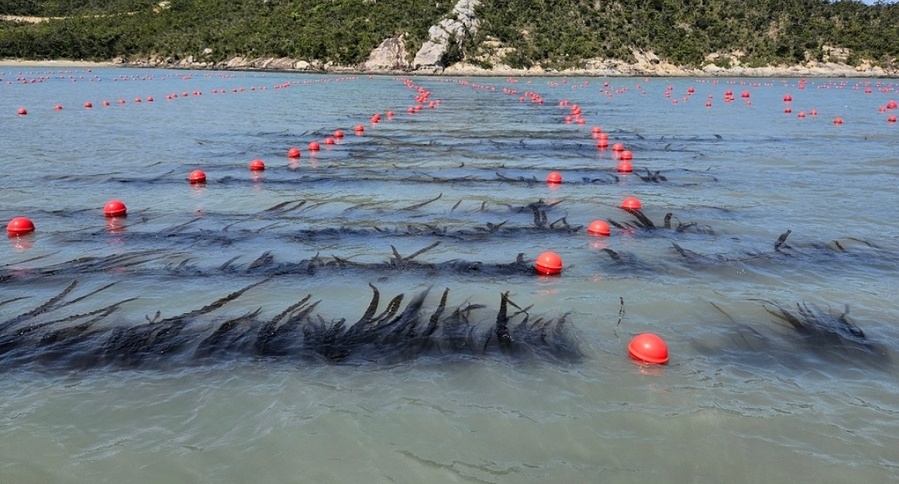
point(445, 34)
point(389, 56)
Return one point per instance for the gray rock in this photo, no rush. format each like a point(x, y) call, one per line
point(446, 32)
point(390, 55)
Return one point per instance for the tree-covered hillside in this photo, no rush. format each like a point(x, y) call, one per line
point(522, 33)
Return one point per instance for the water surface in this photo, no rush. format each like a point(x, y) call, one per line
point(743, 399)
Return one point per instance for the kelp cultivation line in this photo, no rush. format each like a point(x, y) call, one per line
point(327, 176)
point(264, 265)
point(41, 339)
point(44, 338)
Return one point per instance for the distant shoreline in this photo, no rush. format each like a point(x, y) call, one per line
point(616, 69)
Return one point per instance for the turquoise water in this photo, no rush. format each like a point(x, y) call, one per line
point(743, 398)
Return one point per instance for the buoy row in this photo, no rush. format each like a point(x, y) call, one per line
point(20, 226)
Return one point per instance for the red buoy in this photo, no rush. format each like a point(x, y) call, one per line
point(329, 140)
point(115, 208)
point(293, 152)
point(617, 147)
point(548, 263)
point(891, 119)
point(257, 165)
point(648, 348)
point(338, 134)
point(22, 111)
point(626, 155)
point(631, 203)
point(837, 120)
point(892, 104)
point(359, 129)
point(314, 146)
point(554, 178)
point(788, 98)
point(88, 105)
point(599, 227)
point(196, 177)
point(57, 107)
point(625, 166)
point(20, 226)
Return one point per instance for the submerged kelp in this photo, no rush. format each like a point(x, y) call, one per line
point(46, 338)
point(810, 337)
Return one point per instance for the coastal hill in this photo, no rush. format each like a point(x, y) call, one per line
point(641, 37)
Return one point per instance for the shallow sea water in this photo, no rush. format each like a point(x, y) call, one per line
point(743, 398)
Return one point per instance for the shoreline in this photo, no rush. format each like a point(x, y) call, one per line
point(599, 69)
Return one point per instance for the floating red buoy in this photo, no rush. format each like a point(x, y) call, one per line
point(625, 167)
point(338, 134)
point(745, 95)
point(115, 208)
point(329, 140)
point(554, 178)
point(548, 263)
point(626, 155)
point(197, 176)
point(891, 119)
point(314, 146)
point(58, 107)
point(257, 165)
point(892, 104)
point(648, 348)
point(359, 129)
point(599, 227)
point(22, 111)
point(631, 203)
point(617, 147)
point(788, 98)
point(293, 152)
point(20, 226)
point(88, 105)
point(837, 120)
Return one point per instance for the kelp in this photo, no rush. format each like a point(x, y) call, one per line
point(42, 338)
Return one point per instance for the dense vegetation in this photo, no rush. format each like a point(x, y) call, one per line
point(552, 33)
point(684, 32)
point(340, 31)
